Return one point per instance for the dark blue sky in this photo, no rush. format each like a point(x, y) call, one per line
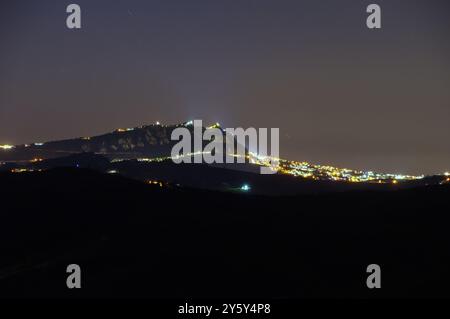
point(341, 94)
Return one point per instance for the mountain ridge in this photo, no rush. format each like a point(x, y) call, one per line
point(146, 140)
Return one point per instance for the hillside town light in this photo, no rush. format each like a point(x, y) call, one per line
point(6, 147)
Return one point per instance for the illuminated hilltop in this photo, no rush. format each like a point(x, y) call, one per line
point(152, 143)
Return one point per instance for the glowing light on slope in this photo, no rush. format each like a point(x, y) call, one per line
point(6, 147)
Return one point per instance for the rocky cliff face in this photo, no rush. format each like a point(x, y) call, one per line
point(145, 141)
point(150, 140)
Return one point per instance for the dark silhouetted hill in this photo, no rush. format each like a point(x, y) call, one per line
point(226, 177)
point(132, 239)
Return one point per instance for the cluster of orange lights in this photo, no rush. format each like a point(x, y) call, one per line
point(152, 182)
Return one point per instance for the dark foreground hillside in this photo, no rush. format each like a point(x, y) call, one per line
point(137, 240)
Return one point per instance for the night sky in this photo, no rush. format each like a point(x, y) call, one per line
point(340, 93)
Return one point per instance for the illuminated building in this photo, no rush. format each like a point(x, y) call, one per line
point(217, 125)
